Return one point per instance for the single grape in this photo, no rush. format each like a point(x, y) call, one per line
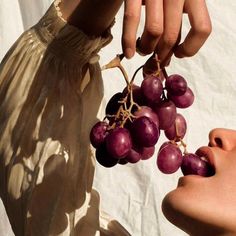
point(98, 133)
point(146, 152)
point(166, 112)
point(144, 132)
point(113, 104)
point(194, 165)
point(184, 100)
point(152, 89)
point(178, 129)
point(133, 156)
point(104, 158)
point(169, 158)
point(118, 142)
point(123, 161)
point(148, 112)
point(137, 94)
point(164, 144)
point(176, 85)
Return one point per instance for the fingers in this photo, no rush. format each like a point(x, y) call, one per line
point(130, 26)
point(173, 11)
point(200, 28)
point(153, 26)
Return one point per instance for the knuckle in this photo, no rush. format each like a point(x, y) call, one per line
point(170, 39)
point(154, 30)
point(130, 16)
point(204, 29)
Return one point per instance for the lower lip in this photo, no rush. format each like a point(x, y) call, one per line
point(188, 178)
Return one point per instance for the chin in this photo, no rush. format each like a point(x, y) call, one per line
point(181, 209)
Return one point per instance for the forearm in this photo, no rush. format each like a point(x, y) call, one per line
point(91, 16)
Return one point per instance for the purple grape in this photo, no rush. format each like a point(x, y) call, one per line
point(194, 165)
point(98, 133)
point(146, 152)
point(104, 158)
point(164, 144)
point(113, 104)
point(133, 156)
point(123, 161)
point(169, 158)
point(144, 132)
point(118, 142)
point(176, 85)
point(180, 126)
point(166, 112)
point(137, 94)
point(184, 100)
point(152, 89)
point(148, 112)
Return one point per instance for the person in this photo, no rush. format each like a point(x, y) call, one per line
point(207, 205)
point(50, 92)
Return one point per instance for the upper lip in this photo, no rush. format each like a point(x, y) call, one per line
point(207, 153)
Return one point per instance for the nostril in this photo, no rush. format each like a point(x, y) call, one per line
point(218, 142)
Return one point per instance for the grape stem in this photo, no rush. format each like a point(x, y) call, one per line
point(135, 73)
point(116, 63)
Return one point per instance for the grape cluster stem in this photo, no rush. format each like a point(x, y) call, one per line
point(124, 112)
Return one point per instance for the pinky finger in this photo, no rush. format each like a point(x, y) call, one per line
point(200, 29)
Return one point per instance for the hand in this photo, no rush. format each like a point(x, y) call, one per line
point(162, 28)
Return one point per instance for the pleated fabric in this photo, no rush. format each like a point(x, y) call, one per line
point(50, 96)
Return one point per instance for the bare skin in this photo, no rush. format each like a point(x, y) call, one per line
point(207, 206)
point(162, 30)
point(163, 20)
point(91, 16)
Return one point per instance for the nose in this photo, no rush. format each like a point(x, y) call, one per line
point(223, 138)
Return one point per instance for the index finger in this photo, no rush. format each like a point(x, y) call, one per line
point(131, 20)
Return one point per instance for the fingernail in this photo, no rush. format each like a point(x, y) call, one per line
point(129, 53)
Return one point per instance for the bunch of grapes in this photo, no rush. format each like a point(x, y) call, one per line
point(136, 116)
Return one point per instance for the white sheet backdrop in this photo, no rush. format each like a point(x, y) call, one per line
point(132, 194)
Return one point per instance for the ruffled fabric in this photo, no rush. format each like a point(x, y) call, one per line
point(51, 91)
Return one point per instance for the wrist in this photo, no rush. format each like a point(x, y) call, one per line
point(91, 16)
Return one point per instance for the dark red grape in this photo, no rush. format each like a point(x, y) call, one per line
point(148, 112)
point(176, 85)
point(184, 100)
point(194, 165)
point(166, 112)
point(164, 144)
point(152, 89)
point(104, 158)
point(118, 142)
point(146, 152)
point(144, 132)
point(98, 133)
point(133, 156)
point(180, 126)
point(123, 161)
point(169, 158)
point(137, 94)
point(113, 104)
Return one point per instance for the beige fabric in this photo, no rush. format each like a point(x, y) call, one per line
point(50, 92)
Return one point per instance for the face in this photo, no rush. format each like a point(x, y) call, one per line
point(207, 205)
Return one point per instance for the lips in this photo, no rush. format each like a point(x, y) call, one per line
point(206, 154)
